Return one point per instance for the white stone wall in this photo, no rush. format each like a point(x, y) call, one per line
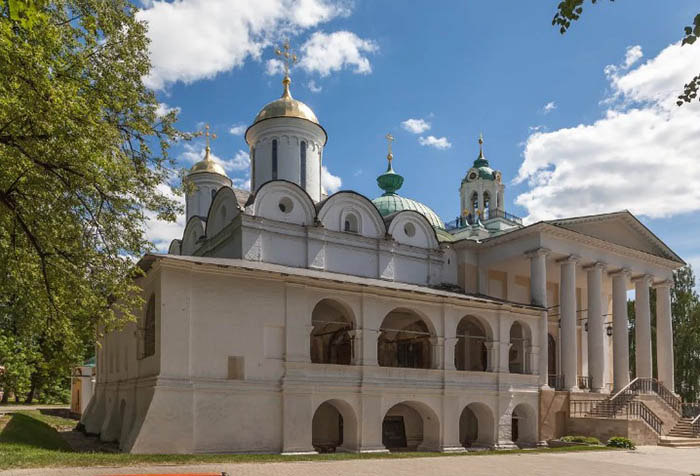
point(207, 315)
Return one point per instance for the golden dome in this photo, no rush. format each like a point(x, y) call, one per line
point(286, 106)
point(207, 165)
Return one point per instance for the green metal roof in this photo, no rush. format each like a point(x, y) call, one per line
point(392, 203)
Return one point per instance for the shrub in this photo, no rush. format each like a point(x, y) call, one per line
point(588, 440)
point(621, 442)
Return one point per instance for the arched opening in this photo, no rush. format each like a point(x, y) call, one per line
point(551, 355)
point(476, 426)
point(487, 205)
point(517, 363)
point(334, 427)
point(524, 426)
point(475, 204)
point(470, 349)
point(351, 223)
point(331, 342)
point(404, 341)
point(411, 426)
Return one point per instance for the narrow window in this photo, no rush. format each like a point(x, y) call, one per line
point(252, 169)
point(487, 205)
point(149, 334)
point(213, 192)
point(274, 159)
point(302, 167)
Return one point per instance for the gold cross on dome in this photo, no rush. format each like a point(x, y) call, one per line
point(389, 138)
point(208, 135)
point(288, 57)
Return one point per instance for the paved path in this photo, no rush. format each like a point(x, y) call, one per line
point(650, 460)
point(21, 408)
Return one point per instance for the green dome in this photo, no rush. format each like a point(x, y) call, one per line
point(392, 203)
point(482, 165)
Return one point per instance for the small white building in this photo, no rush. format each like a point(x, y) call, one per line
point(288, 321)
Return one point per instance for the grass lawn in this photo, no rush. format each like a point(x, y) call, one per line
point(29, 439)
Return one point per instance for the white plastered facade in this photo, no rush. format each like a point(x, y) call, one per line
point(238, 306)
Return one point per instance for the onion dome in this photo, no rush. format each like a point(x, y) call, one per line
point(207, 165)
point(390, 202)
point(286, 106)
point(481, 166)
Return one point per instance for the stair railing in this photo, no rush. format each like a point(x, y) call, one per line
point(696, 426)
point(653, 385)
point(633, 410)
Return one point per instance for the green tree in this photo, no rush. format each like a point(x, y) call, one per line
point(571, 10)
point(84, 160)
point(685, 307)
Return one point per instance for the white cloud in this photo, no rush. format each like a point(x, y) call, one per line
point(325, 53)
point(416, 126)
point(549, 107)
point(196, 39)
point(633, 54)
point(238, 130)
point(313, 87)
point(163, 109)
point(329, 183)
point(194, 153)
point(432, 141)
point(160, 232)
point(642, 155)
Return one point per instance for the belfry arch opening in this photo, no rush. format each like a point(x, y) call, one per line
point(331, 339)
point(476, 426)
point(411, 426)
point(334, 427)
point(404, 341)
point(470, 349)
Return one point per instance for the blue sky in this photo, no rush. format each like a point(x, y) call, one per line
point(608, 140)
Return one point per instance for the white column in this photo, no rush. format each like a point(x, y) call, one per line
point(621, 351)
point(664, 335)
point(538, 296)
point(596, 339)
point(567, 319)
point(642, 327)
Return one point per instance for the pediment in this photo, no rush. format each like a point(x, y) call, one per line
point(620, 228)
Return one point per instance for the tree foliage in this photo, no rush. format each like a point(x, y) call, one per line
point(685, 308)
point(571, 10)
point(84, 160)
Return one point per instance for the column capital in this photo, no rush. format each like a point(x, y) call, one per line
point(643, 278)
point(569, 259)
point(537, 252)
point(601, 265)
point(624, 272)
point(666, 283)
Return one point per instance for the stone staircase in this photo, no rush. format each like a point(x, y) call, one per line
point(676, 424)
point(682, 435)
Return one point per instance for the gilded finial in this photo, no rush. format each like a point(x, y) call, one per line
point(208, 135)
point(389, 138)
point(288, 59)
point(481, 144)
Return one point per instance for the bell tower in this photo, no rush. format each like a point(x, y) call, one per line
point(482, 191)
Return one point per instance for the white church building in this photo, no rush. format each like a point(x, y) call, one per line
point(288, 321)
